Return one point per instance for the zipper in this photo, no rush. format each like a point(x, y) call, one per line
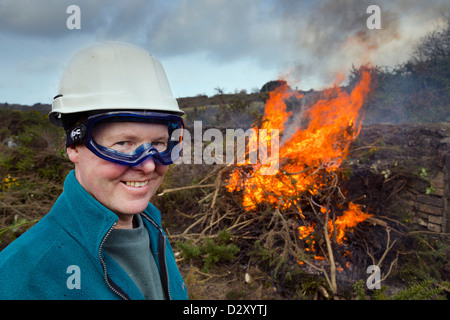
point(164, 273)
point(163, 265)
point(111, 285)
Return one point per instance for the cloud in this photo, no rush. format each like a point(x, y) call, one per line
point(227, 30)
point(309, 39)
point(329, 36)
point(266, 30)
point(34, 18)
point(100, 18)
point(30, 17)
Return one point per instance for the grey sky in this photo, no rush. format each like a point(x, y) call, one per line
point(204, 44)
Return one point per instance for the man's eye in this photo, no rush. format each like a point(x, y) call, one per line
point(159, 145)
point(122, 143)
point(122, 146)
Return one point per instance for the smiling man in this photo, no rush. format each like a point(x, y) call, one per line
point(103, 238)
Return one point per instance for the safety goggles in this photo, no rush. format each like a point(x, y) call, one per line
point(164, 150)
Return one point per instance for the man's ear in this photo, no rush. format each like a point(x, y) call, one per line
point(72, 152)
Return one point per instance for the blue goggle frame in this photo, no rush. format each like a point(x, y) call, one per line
point(167, 157)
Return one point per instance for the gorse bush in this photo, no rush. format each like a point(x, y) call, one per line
point(32, 146)
point(210, 250)
point(33, 166)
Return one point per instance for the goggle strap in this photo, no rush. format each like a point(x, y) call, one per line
point(76, 134)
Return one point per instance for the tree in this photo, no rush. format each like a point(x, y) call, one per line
point(272, 85)
point(431, 58)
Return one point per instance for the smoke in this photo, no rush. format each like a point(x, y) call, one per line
point(310, 40)
point(332, 35)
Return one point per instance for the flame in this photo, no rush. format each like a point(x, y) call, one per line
point(350, 219)
point(333, 123)
point(344, 223)
point(321, 143)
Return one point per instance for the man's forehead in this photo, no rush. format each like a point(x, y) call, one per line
point(131, 128)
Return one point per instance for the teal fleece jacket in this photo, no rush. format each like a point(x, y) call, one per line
point(61, 257)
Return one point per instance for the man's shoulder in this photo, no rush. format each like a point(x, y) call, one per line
point(26, 250)
point(38, 263)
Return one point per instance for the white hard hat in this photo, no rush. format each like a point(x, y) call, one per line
point(113, 76)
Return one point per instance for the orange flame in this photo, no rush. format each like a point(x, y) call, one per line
point(332, 123)
point(350, 219)
point(344, 223)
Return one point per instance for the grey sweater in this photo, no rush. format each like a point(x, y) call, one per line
point(130, 248)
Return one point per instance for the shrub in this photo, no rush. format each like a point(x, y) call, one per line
point(210, 250)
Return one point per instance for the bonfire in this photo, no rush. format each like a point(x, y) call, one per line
point(301, 212)
point(313, 146)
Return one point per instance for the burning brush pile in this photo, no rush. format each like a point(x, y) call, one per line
point(312, 215)
point(301, 216)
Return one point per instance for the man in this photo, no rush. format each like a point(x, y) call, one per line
point(103, 239)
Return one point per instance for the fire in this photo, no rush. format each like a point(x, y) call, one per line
point(306, 233)
point(319, 144)
point(344, 223)
point(350, 219)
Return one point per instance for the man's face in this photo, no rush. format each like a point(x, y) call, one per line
point(123, 189)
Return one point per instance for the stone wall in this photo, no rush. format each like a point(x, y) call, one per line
point(421, 154)
point(431, 210)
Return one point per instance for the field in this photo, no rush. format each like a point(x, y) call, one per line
point(225, 251)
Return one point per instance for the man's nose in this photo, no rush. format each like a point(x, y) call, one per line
point(148, 165)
